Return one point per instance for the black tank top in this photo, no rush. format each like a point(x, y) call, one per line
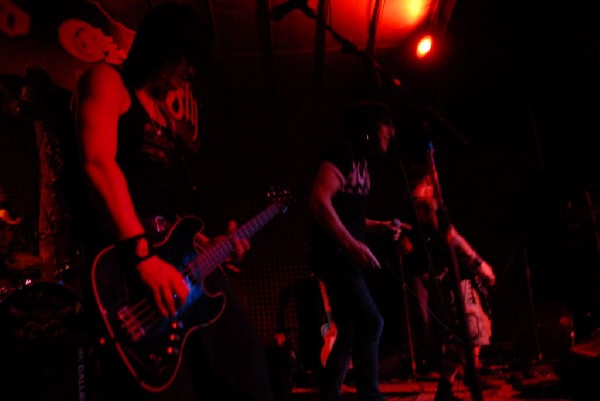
point(151, 159)
point(158, 180)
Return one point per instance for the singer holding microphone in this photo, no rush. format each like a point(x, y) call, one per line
point(338, 254)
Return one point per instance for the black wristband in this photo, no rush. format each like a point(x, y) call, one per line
point(134, 250)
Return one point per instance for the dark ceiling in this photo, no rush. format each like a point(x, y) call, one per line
point(504, 64)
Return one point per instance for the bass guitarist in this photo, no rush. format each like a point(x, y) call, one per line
point(132, 160)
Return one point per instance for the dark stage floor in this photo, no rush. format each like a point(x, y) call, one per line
point(510, 386)
point(58, 374)
point(62, 370)
point(573, 378)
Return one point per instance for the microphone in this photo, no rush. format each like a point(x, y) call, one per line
point(399, 224)
point(280, 11)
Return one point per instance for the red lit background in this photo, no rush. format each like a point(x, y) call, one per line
point(507, 97)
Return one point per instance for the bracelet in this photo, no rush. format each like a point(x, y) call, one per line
point(134, 250)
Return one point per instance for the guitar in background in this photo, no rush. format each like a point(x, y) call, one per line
point(328, 329)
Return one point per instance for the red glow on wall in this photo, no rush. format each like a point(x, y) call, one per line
point(397, 19)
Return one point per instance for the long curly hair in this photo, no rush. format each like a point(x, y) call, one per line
point(170, 33)
point(362, 123)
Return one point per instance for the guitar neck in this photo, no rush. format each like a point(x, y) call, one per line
point(329, 317)
point(216, 254)
point(326, 303)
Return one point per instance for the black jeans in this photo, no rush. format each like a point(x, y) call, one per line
point(359, 325)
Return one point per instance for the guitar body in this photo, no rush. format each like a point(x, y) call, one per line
point(329, 333)
point(328, 329)
point(149, 343)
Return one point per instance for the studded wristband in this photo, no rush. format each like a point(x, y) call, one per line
point(134, 250)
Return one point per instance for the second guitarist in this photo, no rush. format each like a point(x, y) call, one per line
point(427, 259)
point(132, 160)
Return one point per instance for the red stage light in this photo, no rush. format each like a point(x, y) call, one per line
point(424, 46)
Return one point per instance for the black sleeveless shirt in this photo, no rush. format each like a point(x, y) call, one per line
point(151, 159)
point(158, 180)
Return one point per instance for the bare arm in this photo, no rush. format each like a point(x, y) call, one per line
point(327, 183)
point(387, 229)
point(482, 267)
point(100, 103)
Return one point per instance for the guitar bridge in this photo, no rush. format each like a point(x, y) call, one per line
point(131, 324)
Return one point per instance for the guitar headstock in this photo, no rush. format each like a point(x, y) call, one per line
point(282, 197)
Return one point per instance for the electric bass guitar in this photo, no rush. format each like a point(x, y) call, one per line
point(150, 344)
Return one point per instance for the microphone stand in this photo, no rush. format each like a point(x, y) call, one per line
point(407, 317)
point(400, 259)
point(444, 223)
point(444, 321)
point(540, 355)
point(349, 47)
